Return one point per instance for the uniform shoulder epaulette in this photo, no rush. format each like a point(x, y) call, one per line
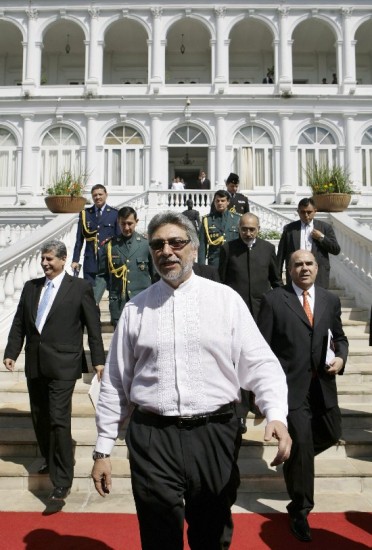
point(109, 208)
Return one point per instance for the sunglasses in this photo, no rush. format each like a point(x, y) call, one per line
point(174, 244)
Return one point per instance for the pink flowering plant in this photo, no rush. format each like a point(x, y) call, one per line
point(68, 183)
point(324, 179)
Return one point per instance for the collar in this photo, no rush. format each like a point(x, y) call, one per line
point(309, 225)
point(185, 287)
point(299, 290)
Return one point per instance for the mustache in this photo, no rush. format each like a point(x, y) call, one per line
point(166, 261)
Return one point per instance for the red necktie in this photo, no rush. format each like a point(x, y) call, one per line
point(307, 307)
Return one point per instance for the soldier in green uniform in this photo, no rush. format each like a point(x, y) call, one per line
point(126, 263)
point(218, 227)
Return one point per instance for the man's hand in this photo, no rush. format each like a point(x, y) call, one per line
point(74, 265)
point(99, 371)
point(101, 474)
point(279, 431)
point(9, 364)
point(335, 365)
point(317, 235)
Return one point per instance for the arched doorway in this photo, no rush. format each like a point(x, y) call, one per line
point(188, 155)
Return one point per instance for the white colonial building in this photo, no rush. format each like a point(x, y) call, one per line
point(136, 93)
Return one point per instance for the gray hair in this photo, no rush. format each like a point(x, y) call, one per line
point(58, 247)
point(175, 218)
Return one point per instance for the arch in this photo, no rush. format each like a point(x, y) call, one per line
point(324, 123)
point(363, 52)
point(125, 56)
point(188, 52)
point(12, 130)
point(44, 27)
point(257, 17)
point(118, 17)
point(314, 50)
point(269, 128)
point(195, 123)
point(112, 123)
point(52, 123)
point(324, 18)
point(11, 54)
point(251, 51)
point(16, 23)
point(193, 16)
point(357, 24)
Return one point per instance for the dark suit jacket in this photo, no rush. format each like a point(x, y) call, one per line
point(299, 347)
point(106, 226)
point(57, 352)
point(291, 240)
point(206, 271)
point(251, 272)
point(206, 184)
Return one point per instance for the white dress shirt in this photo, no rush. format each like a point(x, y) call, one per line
point(186, 351)
point(56, 283)
point(310, 295)
point(306, 238)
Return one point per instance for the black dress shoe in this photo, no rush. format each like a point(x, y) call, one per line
point(44, 469)
point(242, 425)
point(300, 528)
point(59, 493)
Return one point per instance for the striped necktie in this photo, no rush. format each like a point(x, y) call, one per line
point(307, 308)
point(43, 304)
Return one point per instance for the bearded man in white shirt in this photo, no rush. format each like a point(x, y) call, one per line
point(178, 379)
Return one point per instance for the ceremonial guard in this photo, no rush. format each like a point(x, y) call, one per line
point(218, 227)
point(126, 263)
point(96, 224)
point(238, 202)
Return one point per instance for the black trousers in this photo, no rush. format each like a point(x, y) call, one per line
point(184, 473)
point(313, 429)
point(51, 403)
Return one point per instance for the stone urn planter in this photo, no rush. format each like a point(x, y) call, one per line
point(65, 204)
point(332, 202)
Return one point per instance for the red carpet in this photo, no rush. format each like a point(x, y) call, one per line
point(66, 531)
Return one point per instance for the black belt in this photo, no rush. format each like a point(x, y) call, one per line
point(221, 415)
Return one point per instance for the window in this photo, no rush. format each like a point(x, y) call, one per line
point(124, 158)
point(188, 135)
point(367, 158)
point(253, 157)
point(8, 160)
point(316, 145)
point(60, 151)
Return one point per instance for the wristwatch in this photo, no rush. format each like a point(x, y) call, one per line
point(96, 455)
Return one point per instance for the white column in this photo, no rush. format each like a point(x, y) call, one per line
point(349, 48)
point(221, 168)
point(285, 52)
point(155, 155)
point(94, 58)
point(350, 157)
point(287, 189)
point(157, 60)
point(31, 56)
point(28, 183)
point(221, 64)
point(91, 158)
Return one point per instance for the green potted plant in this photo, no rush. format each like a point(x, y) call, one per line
point(66, 193)
point(331, 187)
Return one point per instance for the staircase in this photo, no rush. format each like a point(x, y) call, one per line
point(343, 473)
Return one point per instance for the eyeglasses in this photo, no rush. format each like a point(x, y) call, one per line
point(174, 244)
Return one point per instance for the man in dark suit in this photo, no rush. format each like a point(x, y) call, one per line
point(51, 316)
point(249, 266)
point(309, 234)
point(238, 202)
point(96, 224)
point(302, 324)
point(205, 183)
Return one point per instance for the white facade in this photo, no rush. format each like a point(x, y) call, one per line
point(134, 94)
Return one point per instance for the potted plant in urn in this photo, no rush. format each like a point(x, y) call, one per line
point(66, 194)
point(331, 187)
